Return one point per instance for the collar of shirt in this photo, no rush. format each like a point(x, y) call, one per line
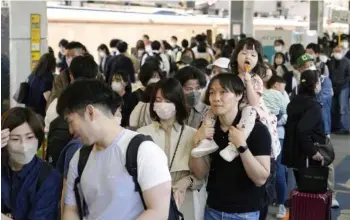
point(23, 173)
point(158, 126)
point(200, 107)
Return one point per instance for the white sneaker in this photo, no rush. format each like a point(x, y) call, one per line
point(335, 203)
point(229, 153)
point(204, 148)
point(282, 212)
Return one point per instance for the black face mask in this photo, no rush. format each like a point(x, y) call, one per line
point(193, 98)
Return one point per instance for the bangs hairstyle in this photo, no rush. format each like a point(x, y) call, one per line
point(228, 82)
point(172, 91)
point(84, 92)
point(17, 116)
point(251, 44)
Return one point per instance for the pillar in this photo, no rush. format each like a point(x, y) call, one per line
point(241, 16)
point(316, 16)
point(27, 39)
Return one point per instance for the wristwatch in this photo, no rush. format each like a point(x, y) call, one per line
point(242, 149)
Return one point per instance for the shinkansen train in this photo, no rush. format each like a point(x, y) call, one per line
point(94, 26)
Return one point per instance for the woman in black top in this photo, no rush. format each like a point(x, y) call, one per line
point(304, 125)
point(234, 188)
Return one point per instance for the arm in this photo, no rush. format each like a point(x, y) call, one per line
point(326, 71)
point(64, 190)
point(256, 167)
point(157, 201)
point(155, 181)
point(304, 130)
point(47, 198)
point(200, 167)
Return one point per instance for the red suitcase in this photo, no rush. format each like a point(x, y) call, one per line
point(311, 206)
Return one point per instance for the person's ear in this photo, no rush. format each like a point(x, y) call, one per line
point(90, 112)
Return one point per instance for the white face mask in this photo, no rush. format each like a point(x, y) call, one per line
point(278, 48)
point(338, 56)
point(345, 44)
point(117, 86)
point(164, 110)
point(153, 80)
point(323, 58)
point(102, 54)
point(23, 153)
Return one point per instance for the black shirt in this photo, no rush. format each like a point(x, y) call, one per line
point(229, 188)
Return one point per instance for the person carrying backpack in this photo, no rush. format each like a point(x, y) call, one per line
point(105, 176)
point(163, 59)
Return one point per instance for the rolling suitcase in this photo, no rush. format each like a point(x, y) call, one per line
point(311, 206)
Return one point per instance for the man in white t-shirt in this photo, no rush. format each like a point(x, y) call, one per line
point(106, 186)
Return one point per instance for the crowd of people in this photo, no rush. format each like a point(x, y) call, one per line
point(224, 131)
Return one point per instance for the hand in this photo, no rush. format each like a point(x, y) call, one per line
point(5, 136)
point(317, 156)
point(236, 136)
point(180, 188)
point(207, 129)
point(247, 77)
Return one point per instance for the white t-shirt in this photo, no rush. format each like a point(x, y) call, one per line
point(107, 187)
point(51, 114)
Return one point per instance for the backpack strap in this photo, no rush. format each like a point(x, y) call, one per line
point(83, 158)
point(131, 161)
point(44, 172)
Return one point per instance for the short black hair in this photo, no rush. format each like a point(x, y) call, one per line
point(123, 74)
point(113, 43)
point(250, 43)
point(227, 51)
point(295, 51)
point(174, 38)
point(147, 70)
point(202, 65)
point(84, 92)
point(18, 115)
point(104, 48)
point(146, 36)
point(273, 80)
point(315, 47)
point(190, 73)
point(184, 43)
point(280, 41)
point(173, 92)
point(75, 45)
point(202, 47)
point(63, 43)
point(122, 46)
point(83, 67)
point(155, 45)
point(229, 82)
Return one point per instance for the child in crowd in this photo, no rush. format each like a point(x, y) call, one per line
point(247, 63)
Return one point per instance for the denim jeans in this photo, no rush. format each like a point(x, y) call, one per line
point(326, 114)
point(344, 108)
point(281, 181)
point(212, 214)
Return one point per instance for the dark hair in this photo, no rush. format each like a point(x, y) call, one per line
point(113, 43)
point(147, 94)
point(75, 45)
point(104, 48)
point(123, 74)
point(83, 67)
point(273, 70)
point(46, 65)
point(155, 45)
point(229, 82)
point(232, 43)
point(273, 80)
point(17, 116)
point(280, 41)
point(202, 47)
point(84, 92)
point(184, 43)
point(174, 38)
point(274, 59)
point(190, 73)
point(315, 47)
point(146, 36)
point(122, 46)
point(147, 70)
point(308, 81)
point(242, 36)
point(227, 51)
point(251, 44)
point(51, 51)
point(63, 43)
point(172, 91)
point(188, 50)
point(166, 45)
point(140, 45)
point(295, 51)
point(200, 38)
point(202, 65)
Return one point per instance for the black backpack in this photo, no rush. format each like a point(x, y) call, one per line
point(131, 167)
point(58, 137)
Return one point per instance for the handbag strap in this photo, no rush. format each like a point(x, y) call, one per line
point(177, 146)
